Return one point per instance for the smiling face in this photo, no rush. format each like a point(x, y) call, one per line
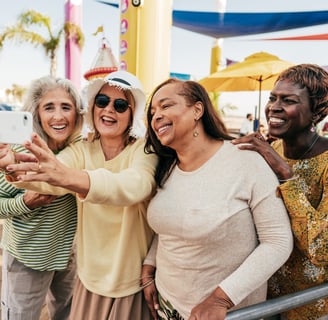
point(288, 111)
point(107, 121)
point(57, 114)
point(173, 121)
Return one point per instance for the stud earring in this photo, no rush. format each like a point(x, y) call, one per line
point(313, 126)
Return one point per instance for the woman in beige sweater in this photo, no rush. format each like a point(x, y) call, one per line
point(222, 232)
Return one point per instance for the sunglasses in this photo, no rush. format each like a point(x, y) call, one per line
point(102, 101)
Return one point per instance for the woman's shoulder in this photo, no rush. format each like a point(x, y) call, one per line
point(247, 160)
point(138, 144)
point(234, 150)
point(137, 150)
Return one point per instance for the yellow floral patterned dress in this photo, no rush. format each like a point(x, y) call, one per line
point(306, 199)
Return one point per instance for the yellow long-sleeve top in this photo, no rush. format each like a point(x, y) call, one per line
point(306, 199)
point(113, 236)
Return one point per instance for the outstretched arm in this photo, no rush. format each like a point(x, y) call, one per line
point(43, 166)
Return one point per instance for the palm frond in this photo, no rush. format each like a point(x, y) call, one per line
point(20, 35)
point(31, 17)
point(72, 30)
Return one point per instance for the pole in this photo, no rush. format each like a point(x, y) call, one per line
point(258, 116)
point(73, 14)
point(145, 40)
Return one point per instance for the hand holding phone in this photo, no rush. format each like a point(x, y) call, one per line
point(15, 126)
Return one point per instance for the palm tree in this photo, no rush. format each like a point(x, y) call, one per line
point(23, 31)
point(16, 93)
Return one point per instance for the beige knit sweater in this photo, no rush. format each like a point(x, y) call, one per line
point(220, 225)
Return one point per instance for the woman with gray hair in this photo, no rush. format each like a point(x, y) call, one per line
point(38, 230)
point(113, 180)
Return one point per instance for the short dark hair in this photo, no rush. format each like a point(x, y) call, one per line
point(315, 79)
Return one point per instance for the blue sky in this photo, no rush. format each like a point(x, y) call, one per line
point(20, 64)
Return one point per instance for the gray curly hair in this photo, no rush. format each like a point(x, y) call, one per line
point(38, 89)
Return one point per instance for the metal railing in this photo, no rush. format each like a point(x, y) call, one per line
point(274, 307)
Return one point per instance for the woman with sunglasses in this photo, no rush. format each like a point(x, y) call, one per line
point(112, 178)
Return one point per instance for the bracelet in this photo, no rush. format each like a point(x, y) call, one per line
point(289, 179)
point(148, 283)
point(149, 278)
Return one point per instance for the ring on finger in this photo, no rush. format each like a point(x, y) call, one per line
point(260, 137)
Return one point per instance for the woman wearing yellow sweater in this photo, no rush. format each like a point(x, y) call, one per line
point(112, 178)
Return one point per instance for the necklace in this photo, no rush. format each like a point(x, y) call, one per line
point(310, 147)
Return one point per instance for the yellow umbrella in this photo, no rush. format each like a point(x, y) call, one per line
point(258, 71)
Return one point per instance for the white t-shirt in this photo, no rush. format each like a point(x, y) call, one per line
point(246, 127)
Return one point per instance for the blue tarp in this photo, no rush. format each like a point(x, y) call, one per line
point(228, 24)
point(233, 24)
point(113, 4)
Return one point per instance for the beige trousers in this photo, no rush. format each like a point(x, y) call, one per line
point(90, 306)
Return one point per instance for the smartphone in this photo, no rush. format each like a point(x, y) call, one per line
point(15, 126)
